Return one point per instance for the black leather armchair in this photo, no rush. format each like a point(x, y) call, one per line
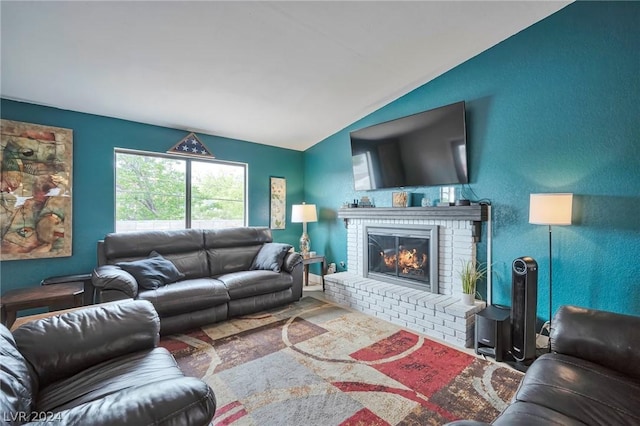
point(97, 366)
point(592, 376)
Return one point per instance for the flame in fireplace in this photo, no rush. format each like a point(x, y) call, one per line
point(409, 262)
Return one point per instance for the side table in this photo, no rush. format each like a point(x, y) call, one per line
point(84, 279)
point(306, 261)
point(38, 297)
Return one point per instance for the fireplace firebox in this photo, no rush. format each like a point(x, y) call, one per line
point(405, 256)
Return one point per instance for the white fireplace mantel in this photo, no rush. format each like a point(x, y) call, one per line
point(476, 214)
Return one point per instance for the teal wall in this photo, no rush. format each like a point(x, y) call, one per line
point(94, 140)
point(552, 109)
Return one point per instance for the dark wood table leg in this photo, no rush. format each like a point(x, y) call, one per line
point(9, 318)
point(78, 300)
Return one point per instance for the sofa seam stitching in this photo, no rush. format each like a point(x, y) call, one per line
point(564, 361)
point(619, 410)
point(540, 417)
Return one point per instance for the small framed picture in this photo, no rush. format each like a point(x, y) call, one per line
point(400, 199)
point(278, 202)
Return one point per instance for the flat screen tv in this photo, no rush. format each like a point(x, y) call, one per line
point(424, 149)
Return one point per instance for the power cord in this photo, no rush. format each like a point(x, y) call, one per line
point(543, 340)
point(465, 189)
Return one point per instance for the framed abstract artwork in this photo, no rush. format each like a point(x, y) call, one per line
point(278, 202)
point(36, 170)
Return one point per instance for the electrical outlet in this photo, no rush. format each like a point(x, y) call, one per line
point(342, 264)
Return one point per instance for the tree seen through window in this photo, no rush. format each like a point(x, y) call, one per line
point(155, 191)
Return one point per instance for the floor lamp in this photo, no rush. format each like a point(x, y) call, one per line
point(550, 209)
point(304, 213)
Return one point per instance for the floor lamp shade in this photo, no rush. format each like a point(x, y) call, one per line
point(304, 213)
point(550, 209)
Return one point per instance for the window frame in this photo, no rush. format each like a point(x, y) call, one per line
point(187, 182)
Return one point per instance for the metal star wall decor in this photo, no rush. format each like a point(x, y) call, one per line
point(191, 145)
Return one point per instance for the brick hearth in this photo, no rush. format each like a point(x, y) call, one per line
point(441, 315)
point(435, 315)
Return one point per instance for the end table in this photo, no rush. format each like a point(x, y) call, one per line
point(306, 261)
point(38, 297)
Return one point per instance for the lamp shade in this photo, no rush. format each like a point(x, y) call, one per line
point(303, 213)
point(550, 209)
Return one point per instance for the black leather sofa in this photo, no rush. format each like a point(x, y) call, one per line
point(218, 277)
point(97, 366)
point(591, 377)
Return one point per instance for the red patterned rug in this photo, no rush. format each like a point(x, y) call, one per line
point(315, 363)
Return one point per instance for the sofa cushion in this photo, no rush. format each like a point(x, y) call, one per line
point(225, 260)
point(270, 256)
point(580, 389)
point(138, 244)
point(233, 249)
point(187, 295)
point(236, 237)
point(179, 401)
point(62, 345)
point(192, 264)
point(112, 376)
point(254, 283)
point(152, 272)
point(16, 381)
point(189, 320)
point(572, 333)
point(249, 305)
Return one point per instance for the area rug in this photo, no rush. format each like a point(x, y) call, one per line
point(315, 363)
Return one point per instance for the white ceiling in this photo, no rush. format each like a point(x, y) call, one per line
point(286, 74)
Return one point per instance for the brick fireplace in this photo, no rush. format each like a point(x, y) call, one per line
point(434, 309)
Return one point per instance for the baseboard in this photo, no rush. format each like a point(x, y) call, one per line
point(315, 279)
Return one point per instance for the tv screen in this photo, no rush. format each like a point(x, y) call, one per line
point(424, 149)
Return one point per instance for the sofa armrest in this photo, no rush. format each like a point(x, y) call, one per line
point(182, 401)
point(605, 338)
point(292, 264)
point(63, 345)
point(291, 260)
point(112, 278)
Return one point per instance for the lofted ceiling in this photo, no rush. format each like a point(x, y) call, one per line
point(287, 74)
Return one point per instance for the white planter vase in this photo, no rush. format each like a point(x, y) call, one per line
point(469, 299)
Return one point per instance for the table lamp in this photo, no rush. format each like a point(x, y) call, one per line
point(303, 213)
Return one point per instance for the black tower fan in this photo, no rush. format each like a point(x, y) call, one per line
point(524, 301)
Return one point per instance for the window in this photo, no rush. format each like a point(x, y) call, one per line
point(161, 192)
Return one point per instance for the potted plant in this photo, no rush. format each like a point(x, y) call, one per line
point(470, 273)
